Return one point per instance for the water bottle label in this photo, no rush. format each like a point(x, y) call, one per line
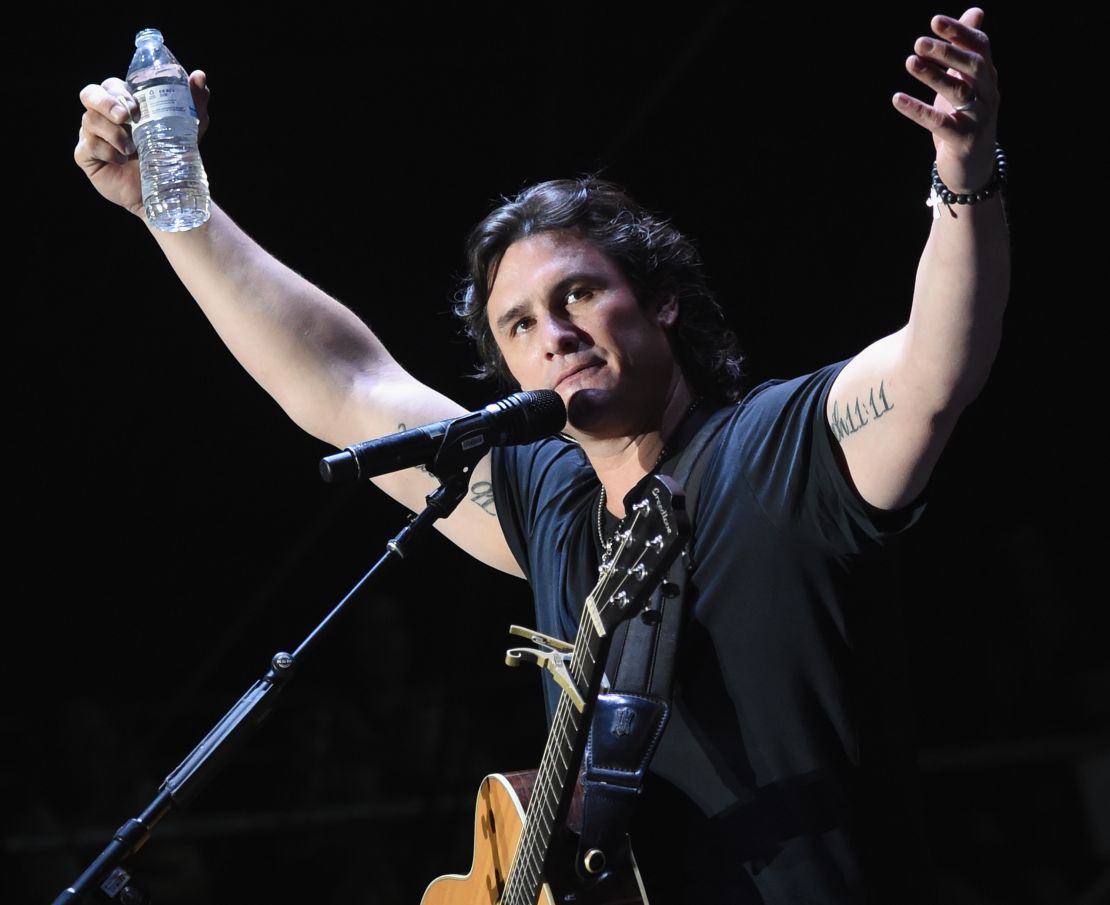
point(160, 101)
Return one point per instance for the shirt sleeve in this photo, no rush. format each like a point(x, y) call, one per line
point(791, 461)
point(534, 485)
point(545, 495)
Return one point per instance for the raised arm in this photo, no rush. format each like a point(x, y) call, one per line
point(319, 361)
point(894, 406)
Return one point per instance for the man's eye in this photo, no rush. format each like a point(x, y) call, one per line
point(577, 295)
point(520, 326)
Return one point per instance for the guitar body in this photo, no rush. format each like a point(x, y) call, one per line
point(498, 823)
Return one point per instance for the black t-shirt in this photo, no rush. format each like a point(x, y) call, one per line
point(765, 785)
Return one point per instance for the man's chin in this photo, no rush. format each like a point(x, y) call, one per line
point(587, 410)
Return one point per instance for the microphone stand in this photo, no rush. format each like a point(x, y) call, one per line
point(105, 877)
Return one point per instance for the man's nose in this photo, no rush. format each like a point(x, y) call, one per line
point(560, 336)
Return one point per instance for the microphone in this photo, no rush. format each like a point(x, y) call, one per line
point(520, 418)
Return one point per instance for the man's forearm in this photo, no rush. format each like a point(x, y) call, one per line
point(960, 294)
point(303, 347)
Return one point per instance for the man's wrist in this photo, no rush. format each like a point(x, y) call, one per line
point(995, 184)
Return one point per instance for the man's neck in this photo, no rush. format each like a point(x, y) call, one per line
point(622, 462)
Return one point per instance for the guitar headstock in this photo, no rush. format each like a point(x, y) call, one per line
point(641, 550)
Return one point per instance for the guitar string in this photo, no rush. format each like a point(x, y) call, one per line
point(577, 665)
point(563, 716)
point(544, 786)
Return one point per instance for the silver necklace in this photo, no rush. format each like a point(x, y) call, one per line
point(606, 545)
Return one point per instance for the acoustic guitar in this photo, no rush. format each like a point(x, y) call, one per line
point(525, 849)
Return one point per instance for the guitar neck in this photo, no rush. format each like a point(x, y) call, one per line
point(558, 772)
point(645, 544)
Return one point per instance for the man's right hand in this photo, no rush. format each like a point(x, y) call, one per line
point(105, 150)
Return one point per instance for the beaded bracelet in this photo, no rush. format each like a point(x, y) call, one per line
point(997, 183)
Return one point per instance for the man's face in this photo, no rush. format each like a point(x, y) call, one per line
point(565, 318)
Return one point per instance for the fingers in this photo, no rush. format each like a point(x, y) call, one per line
point(951, 74)
point(964, 31)
point(950, 56)
point(104, 135)
point(110, 99)
point(926, 116)
point(92, 150)
point(957, 65)
point(951, 70)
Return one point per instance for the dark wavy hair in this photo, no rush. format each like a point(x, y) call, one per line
point(656, 259)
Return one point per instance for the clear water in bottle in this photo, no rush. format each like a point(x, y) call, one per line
point(174, 184)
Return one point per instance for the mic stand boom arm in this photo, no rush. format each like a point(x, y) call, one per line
point(105, 877)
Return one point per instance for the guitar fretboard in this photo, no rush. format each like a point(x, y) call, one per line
point(624, 583)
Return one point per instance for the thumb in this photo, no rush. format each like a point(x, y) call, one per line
point(198, 85)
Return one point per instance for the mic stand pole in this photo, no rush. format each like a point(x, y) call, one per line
point(105, 877)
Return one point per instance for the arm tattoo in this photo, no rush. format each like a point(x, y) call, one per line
point(481, 493)
point(423, 468)
point(860, 413)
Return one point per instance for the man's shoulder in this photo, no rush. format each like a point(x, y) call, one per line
point(535, 477)
point(543, 493)
point(779, 406)
point(777, 392)
point(537, 459)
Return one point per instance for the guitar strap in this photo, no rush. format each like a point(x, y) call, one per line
point(629, 719)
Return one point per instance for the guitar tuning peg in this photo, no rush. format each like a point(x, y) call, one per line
point(668, 589)
point(619, 600)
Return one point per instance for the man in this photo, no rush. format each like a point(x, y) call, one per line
point(756, 797)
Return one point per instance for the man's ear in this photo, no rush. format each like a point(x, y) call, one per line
point(668, 313)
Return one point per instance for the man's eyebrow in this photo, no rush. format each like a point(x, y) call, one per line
point(512, 314)
point(578, 276)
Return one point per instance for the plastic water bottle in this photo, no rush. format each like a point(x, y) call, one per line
point(174, 185)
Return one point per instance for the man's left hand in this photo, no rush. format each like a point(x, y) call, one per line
point(962, 118)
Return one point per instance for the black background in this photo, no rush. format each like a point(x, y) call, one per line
point(169, 531)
